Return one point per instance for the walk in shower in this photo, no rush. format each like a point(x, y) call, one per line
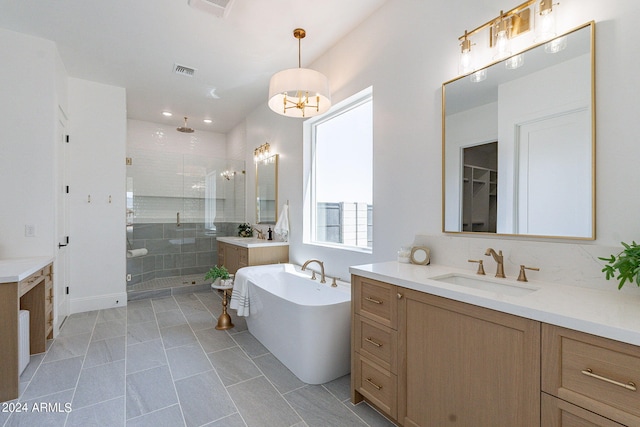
point(177, 205)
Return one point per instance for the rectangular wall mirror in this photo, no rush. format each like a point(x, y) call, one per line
point(267, 190)
point(519, 147)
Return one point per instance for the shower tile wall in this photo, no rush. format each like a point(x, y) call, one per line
point(173, 250)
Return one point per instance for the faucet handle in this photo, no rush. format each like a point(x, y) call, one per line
point(480, 266)
point(334, 284)
point(522, 277)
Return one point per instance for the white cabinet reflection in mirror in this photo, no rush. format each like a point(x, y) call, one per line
point(540, 179)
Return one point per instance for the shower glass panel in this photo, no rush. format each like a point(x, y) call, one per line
point(176, 207)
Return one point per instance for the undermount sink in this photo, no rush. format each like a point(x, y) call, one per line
point(498, 285)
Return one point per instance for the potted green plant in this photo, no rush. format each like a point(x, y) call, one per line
point(625, 266)
point(219, 275)
point(245, 230)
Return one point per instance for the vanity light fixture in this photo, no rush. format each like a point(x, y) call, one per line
point(262, 153)
point(299, 92)
point(466, 61)
point(503, 34)
point(508, 25)
point(545, 21)
point(228, 175)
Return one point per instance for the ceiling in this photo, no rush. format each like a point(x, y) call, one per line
point(135, 44)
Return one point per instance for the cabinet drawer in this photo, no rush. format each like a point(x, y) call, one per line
point(558, 413)
point(376, 342)
point(595, 373)
point(243, 256)
point(378, 385)
point(27, 284)
point(376, 301)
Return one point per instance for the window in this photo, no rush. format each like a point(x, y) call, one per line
point(339, 196)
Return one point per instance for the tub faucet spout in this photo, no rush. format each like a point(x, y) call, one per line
point(320, 263)
point(499, 260)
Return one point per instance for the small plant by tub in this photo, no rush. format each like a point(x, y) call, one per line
point(220, 276)
point(626, 265)
point(245, 230)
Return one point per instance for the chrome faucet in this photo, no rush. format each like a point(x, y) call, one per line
point(321, 264)
point(499, 259)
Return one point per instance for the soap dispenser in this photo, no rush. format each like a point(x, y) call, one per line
point(270, 234)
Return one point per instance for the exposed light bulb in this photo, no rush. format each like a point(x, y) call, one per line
point(545, 21)
point(466, 62)
point(503, 46)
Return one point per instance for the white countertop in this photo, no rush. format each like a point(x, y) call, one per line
point(607, 313)
point(250, 242)
point(15, 270)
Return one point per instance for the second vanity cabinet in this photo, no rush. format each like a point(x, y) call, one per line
point(235, 257)
point(430, 361)
point(425, 360)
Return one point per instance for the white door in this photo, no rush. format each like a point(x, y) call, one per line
point(555, 176)
point(61, 272)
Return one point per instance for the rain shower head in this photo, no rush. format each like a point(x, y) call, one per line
point(184, 128)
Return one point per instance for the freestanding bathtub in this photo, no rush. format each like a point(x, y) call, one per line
point(303, 323)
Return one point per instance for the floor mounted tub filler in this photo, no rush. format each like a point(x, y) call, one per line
point(302, 322)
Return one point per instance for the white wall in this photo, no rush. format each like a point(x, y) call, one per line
point(29, 96)
point(97, 198)
point(406, 50)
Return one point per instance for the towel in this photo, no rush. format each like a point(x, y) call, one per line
point(240, 294)
point(282, 226)
point(133, 253)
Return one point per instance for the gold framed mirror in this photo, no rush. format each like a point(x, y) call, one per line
point(267, 190)
point(519, 147)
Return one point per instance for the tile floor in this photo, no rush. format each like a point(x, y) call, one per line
point(160, 362)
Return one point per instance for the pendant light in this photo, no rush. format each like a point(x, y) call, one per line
point(299, 92)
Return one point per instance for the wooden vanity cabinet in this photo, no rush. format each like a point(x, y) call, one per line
point(454, 364)
point(235, 257)
point(594, 375)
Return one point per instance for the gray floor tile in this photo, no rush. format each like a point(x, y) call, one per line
point(201, 320)
point(169, 417)
point(319, 408)
point(170, 318)
point(53, 412)
point(281, 377)
point(141, 332)
point(164, 304)
point(239, 322)
point(109, 329)
point(148, 391)
point(78, 325)
point(105, 351)
point(187, 360)
point(252, 346)
point(54, 377)
point(261, 405)
point(233, 366)
point(86, 315)
point(103, 414)
point(116, 313)
point(142, 314)
point(213, 340)
point(132, 305)
point(203, 399)
point(340, 387)
point(145, 355)
point(369, 415)
point(66, 347)
point(234, 420)
point(177, 336)
point(99, 383)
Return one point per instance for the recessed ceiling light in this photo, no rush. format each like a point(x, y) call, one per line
point(207, 121)
point(167, 114)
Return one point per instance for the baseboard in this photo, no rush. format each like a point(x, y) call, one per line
point(100, 302)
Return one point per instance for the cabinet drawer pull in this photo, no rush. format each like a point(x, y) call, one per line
point(400, 295)
point(371, 341)
point(629, 386)
point(378, 387)
point(373, 300)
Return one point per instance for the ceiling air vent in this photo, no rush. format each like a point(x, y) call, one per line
point(183, 71)
point(219, 8)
